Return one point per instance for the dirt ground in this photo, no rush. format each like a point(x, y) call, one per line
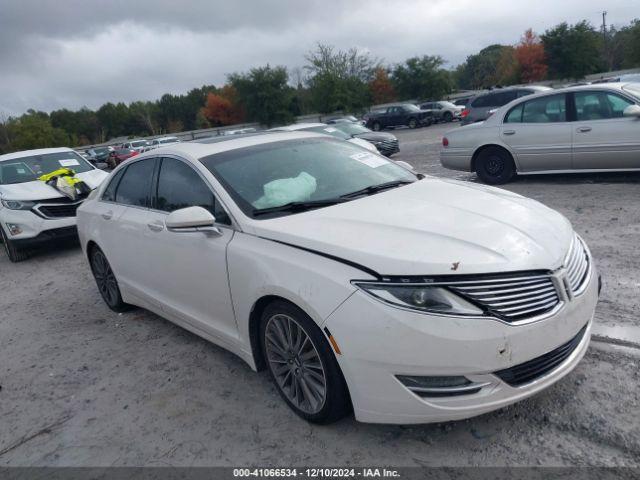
point(83, 386)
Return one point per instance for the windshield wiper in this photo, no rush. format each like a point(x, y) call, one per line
point(298, 206)
point(376, 188)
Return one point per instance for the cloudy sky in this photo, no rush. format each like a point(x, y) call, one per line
point(74, 53)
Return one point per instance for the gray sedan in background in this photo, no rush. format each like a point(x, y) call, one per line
point(590, 128)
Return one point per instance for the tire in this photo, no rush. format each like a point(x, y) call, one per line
point(106, 281)
point(376, 127)
point(413, 123)
point(313, 387)
point(447, 117)
point(14, 253)
point(495, 166)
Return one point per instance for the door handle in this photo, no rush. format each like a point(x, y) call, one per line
point(107, 215)
point(155, 227)
point(584, 129)
point(509, 132)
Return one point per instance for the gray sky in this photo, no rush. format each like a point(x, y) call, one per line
point(74, 53)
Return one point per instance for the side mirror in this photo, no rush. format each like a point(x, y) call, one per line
point(632, 111)
point(192, 219)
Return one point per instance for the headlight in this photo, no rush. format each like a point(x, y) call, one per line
point(424, 298)
point(18, 204)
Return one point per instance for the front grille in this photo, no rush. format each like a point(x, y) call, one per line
point(533, 369)
point(577, 265)
point(512, 299)
point(58, 210)
point(387, 146)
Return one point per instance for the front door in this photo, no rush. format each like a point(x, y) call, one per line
point(186, 272)
point(538, 132)
point(602, 137)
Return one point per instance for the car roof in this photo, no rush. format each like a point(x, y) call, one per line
point(196, 150)
point(37, 151)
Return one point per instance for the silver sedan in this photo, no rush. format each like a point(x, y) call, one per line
point(591, 128)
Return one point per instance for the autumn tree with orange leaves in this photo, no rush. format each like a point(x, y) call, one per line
point(222, 108)
point(531, 57)
point(381, 88)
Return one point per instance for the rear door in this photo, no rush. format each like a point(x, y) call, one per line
point(602, 137)
point(538, 133)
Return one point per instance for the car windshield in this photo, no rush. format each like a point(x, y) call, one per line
point(352, 128)
point(328, 130)
point(633, 89)
point(28, 169)
point(295, 171)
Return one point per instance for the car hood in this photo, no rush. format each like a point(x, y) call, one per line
point(432, 227)
point(38, 190)
point(376, 136)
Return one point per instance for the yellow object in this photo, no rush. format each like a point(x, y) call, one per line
point(66, 182)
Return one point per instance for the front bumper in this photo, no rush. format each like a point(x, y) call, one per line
point(379, 342)
point(36, 229)
point(388, 148)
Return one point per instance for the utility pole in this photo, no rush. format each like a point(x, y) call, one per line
point(604, 40)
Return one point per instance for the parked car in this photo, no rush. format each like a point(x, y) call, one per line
point(325, 129)
point(345, 119)
point(31, 211)
point(462, 101)
point(162, 141)
point(578, 129)
point(481, 106)
point(240, 131)
point(443, 111)
point(138, 145)
point(99, 154)
point(405, 114)
point(343, 275)
point(119, 155)
point(386, 143)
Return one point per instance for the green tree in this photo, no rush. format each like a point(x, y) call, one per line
point(34, 130)
point(339, 80)
point(623, 46)
point(573, 51)
point(485, 68)
point(264, 94)
point(421, 78)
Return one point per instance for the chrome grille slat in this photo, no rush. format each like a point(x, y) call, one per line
point(577, 265)
point(512, 299)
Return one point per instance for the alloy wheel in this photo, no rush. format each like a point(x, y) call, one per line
point(295, 363)
point(105, 279)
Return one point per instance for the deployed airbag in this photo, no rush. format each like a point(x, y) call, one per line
point(287, 190)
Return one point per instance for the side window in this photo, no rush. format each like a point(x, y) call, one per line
point(515, 114)
point(135, 186)
point(502, 98)
point(109, 194)
point(180, 186)
point(599, 105)
point(480, 102)
point(617, 104)
point(549, 109)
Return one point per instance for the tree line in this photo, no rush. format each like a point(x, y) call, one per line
point(332, 80)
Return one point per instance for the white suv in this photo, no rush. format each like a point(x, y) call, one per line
point(31, 211)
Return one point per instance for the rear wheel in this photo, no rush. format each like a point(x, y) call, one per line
point(447, 117)
point(14, 253)
point(413, 123)
point(376, 127)
point(106, 281)
point(302, 365)
point(495, 166)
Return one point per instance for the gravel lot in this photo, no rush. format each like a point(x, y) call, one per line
point(83, 386)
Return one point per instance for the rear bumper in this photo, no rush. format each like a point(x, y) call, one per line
point(455, 161)
point(379, 342)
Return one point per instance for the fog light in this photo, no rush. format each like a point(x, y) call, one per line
point(14, 229)
point(441, 386)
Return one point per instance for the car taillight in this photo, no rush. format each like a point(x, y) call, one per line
point(464, 113)
point(445, 142)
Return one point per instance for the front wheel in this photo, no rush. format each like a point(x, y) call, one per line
point(14, 253)
point(376, 127)
point(302, 364)
point(447, 117)
point(413, 123)
point(495, 166)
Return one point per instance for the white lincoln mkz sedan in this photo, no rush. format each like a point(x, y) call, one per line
point(356, 283)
